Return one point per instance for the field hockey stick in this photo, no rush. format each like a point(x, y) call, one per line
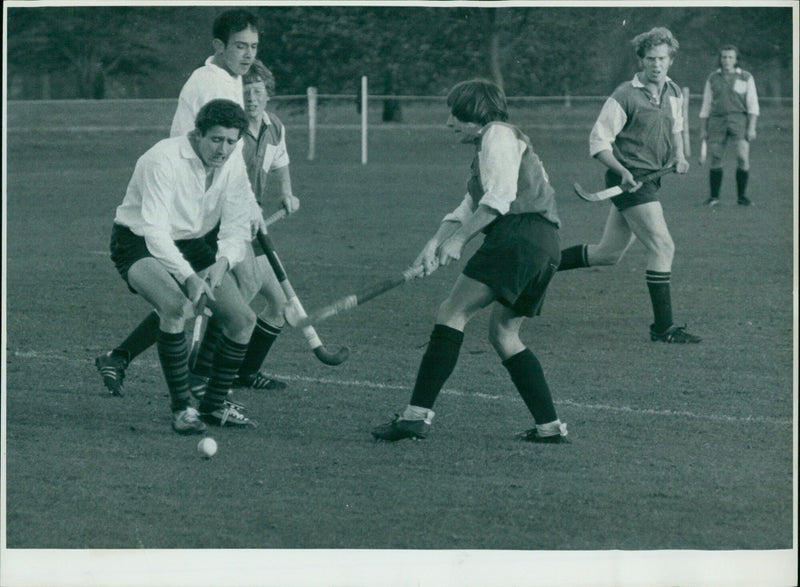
point(312, 338)
point(617, 190)
point(351, 301)
point(703, 152)
point(200, 315)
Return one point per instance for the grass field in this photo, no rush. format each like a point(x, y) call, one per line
point(673, 448)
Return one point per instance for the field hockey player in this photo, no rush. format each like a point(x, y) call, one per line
point(181, 189)
point(639, 131)
point(509, 198)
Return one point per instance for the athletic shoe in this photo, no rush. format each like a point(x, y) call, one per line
point(673, 334)
point(258, 381)
point(197, 385)
point(711, 202)
point(399, 429)
point(112, 370)
point(187, 422)
point(743, 201)
point(533, 435)
point(226, 415)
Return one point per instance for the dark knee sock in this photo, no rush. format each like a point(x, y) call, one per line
point(574, 258)
point(140, 339)
point(174, 357)
point(264, 334)
point(437, 364)
point(205, 355)
point(741, 182)
point(528, 377)
point(227, 360)
point(715, 181)
point(661, 298)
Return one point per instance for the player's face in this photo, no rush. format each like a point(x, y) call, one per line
point(728, 60)
point(255, 99)
point(238, 54)
point(656, 63)
point(216, 145)
point(465, 131)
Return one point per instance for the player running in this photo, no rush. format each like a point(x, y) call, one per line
point(181, 189)
point(509, 198)
point(637, 132)
point(729, 112)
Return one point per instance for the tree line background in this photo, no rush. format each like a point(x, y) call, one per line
point(66, 52)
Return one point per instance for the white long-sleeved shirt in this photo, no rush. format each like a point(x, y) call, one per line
point(209, 82)
point(167, 200)
point(507, 176)
point(733, 92)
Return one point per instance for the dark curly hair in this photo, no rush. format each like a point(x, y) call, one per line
point(225, 113)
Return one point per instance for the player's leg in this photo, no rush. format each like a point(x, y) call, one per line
point(269, 324)
point(648, 224)
point(616, 240)
point(742, 171)
point(717, 139)
point(236, 321)
point(152, 281)
point(526, 372)
point(467, 297)
point(112, 364)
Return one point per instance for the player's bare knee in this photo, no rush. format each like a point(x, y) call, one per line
point(172, 307)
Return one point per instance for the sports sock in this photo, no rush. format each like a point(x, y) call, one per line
point(742, 176)
point(715, 181)
point(437, 364)
point(661, 298)
point(205, 354)
point(574, 258)
point(140, 339)
point(264, 334)
point(227, 360)
point(174, 357)
point(528, 377)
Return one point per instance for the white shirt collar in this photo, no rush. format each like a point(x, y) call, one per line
point(637, 84)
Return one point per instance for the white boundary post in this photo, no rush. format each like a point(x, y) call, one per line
point(364, 109)
point(311, 92)
point(687, 139)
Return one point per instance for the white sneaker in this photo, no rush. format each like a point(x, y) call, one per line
point(187, 422)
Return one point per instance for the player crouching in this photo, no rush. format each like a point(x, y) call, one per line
point(180, 190)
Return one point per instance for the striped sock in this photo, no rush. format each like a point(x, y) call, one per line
point(574, 258)
point(140, 339)
point(174, 357)
point(205, 354)
point(437, 364)
point(528, 377)
point(227, 360)
point(660, 297)
point(264, 334)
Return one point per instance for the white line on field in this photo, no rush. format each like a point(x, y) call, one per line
point(456, 392)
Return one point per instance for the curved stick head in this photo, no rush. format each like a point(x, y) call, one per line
point(332, 359)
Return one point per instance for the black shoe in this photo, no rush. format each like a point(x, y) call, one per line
point(112, 369)
point(399, 429)
point(226, 415)
point(533, 435)
point(673, 334)
point(258, 381)
point(743, 201)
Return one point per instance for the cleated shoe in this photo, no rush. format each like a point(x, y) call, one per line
point(112, 370)
point(743, 201)
point(533, 435)
point(258, 381)
point(226, 415)
point(197, 385)
point(398, 429)
point(187, 422)
point(711, 202)
point(674, 334)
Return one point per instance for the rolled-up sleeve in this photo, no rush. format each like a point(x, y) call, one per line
point(499, 161)
point(156, 181)
point(610, 122)
point(708, 96)
point(462, 212)
point(238, 207)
